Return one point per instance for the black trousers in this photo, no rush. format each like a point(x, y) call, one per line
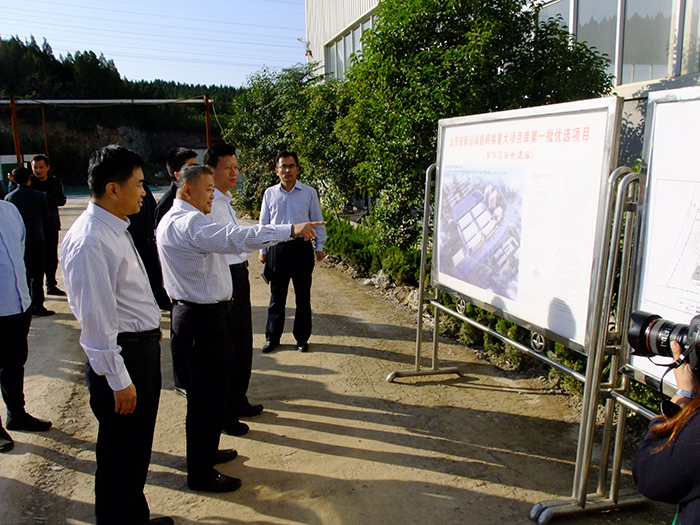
point(51, 259)
point(242, 362)
point(34, 257)
point(293, 260)
point(202, 337)
point(13, 355)
point(124, 442)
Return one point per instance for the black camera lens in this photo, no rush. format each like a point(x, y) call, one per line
point(650, 335)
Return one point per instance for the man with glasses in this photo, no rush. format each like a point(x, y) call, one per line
point(290, 202)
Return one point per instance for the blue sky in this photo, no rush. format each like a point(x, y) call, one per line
point(213, 42)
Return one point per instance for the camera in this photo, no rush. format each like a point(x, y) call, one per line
point(650, 335)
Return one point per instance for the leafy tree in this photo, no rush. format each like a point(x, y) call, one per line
point(260, 125)
point(94, 76)
point(430, 59)
point(326, 163)
point(27, 70)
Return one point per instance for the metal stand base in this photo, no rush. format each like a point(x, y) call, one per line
point(546, 511)
point(414, 373)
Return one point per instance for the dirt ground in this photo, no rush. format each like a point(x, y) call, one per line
point(336, 443)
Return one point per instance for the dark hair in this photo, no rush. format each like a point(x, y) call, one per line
point(214, 153)
point(190, 174)
point(41, 157)
point(285, 153)
point(176, 159)
point(21, 175)
point(112, 163)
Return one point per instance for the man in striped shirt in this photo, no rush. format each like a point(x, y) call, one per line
point(197, 278)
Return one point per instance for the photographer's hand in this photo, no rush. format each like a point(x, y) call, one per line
point(685, 378)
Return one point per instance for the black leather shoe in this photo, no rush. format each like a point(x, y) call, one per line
point(224, 456)
point(27, 422)
point(42, 312)
point(165, 520)
point(250, 410)
point(55, 290)
point(6, 441)
point(269, 346)
point(236, 429)
point(303, 347)
point(221, 483)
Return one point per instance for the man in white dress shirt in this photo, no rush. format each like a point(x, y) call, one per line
point(109, 293)
point(197, 278)
point(284, 203)
point(221, 160)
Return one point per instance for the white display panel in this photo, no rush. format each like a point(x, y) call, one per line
point(519, 201)
point(669, 277)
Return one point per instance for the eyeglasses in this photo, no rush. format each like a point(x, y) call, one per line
point(287, 166)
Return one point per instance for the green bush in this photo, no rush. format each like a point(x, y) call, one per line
point(403, 266)
point(354, 245)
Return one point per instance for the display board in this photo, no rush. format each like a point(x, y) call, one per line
point(520, 203)
point(669, 265)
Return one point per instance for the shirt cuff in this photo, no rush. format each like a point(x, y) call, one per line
point(319, 246)
point(284, 232)
point(119, 381)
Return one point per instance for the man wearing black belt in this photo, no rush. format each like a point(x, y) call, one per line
point(109, 293)
point(287, 202)
point(221, 160)
point(197, 278)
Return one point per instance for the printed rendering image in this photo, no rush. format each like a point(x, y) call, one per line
point(480, 226)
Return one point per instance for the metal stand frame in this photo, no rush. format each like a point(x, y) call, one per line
point(435, 370)
point(621, 227)
point(622, 216)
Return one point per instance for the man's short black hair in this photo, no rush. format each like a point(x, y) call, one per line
point(285, 153)
point(112, 163)
point(214, 153)
point(176, 159)
point(41, 157)
point(21, 175)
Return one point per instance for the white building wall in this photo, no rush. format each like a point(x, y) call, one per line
point(326, 19)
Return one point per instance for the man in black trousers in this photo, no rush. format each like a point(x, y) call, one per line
point(221, 160)
point(197, 278)
point(288, 202)
point(43, 181)
point(109, 293)
point(174, 162)
point(34, 208)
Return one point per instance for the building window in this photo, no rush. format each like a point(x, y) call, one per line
point(648, 40)
point(691, 38)
point(597, 26)
point(340, 51)
point(560, 8)
point(644, 45)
